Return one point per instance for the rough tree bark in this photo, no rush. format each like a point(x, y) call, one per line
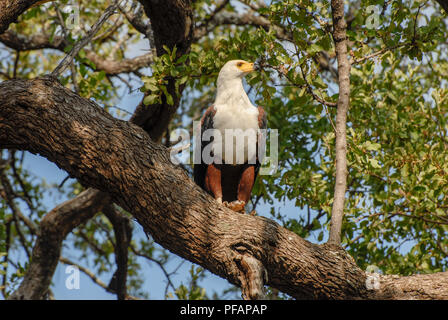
point(11, 9)
point(119, 158)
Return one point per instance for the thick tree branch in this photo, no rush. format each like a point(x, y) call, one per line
point(35, 42)
point(11, 9)
point(119, 158)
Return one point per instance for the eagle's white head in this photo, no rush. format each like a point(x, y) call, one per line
point(230, 82)
point(234, 69)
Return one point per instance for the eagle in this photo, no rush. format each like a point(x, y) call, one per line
point(230, 175)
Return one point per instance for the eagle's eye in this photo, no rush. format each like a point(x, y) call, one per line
point(239, 64)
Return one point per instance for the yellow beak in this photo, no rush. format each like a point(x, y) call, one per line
point(247, 67)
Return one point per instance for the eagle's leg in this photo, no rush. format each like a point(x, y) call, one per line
point(245, 186)
point(213, 182)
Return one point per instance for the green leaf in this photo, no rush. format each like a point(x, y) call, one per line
point(374, 163)
point(152, 87)
point(169, 99)
point(151, 99)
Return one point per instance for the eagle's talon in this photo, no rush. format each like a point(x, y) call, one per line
point(253, 213)
point(237, 205)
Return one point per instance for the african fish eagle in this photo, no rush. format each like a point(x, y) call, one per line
point(227, 179)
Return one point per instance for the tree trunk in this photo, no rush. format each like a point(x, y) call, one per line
point(173, 26)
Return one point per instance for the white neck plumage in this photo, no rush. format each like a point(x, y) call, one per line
point(231, 92)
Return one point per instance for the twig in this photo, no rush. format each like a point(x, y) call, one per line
point(283, 72)
point(315, 96)
point(414, 37)
point(135, 19)
point(5, 258)
point(63, 181)
point(87, 272)
point(16, 64)
point(219, 7)
point(160, 264)
point(323, 24)
point(121, 109)
point(10, 195)
point(65, 33)
point(78, 46)
point(377, 53)
point(327, 112)
point(26, 197)
point(254, 5)
point(385, 5)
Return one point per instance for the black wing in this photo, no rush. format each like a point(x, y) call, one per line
point(200, 169)
point(261, 143)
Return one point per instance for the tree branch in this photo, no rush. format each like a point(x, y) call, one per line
point(42, 41)
point(340, 41)
point(377, 53)
point(114, 67)
point(11, 9)
point(136, 20)
point(119, 158)
point(247, 18)
point(92, 276)
point(123, 235)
